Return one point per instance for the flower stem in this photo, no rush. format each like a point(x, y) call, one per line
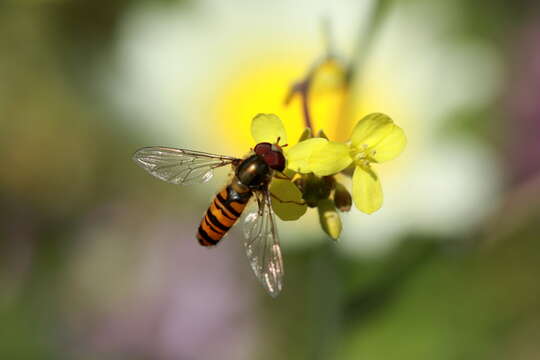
point(305, 108)
point(301, 89)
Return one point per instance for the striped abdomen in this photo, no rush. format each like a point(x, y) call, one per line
point(221, 215)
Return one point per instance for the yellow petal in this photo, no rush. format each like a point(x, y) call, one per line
point(268, 128)
point(390, 146)
point(330, 159)
point(298, 155)
point(287, 191)
point(366, 190)
point(371, 129)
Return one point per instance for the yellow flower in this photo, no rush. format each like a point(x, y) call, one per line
point(290, 206)
point(374, 139)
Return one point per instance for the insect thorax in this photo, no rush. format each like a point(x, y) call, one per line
point(254, 172)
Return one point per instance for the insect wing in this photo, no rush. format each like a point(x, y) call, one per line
point(262, 245)
point(180, 166)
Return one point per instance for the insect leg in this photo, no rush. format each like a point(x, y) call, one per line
point(287, 201)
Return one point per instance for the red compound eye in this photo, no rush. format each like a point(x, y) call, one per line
point(275, 160)
point(263, 148)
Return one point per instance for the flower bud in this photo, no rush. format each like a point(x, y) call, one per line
point(329, 218)
point(321, 134)
point(306, 134)
point(315, 189)
point(342, 197)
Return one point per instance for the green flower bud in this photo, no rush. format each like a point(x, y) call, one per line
point(321, 134)
point(342, 197)
point(315, 189)
point(329, 218)
point(306, 134)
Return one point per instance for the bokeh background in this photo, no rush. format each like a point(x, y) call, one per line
point(98, 260)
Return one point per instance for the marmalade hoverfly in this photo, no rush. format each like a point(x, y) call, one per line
point(252, 176)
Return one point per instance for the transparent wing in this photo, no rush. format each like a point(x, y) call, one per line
point(179, 166)
point(262, 245)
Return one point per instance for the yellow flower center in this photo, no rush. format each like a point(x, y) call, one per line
point(362, 155)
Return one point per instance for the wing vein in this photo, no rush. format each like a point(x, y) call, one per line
point(180, 166)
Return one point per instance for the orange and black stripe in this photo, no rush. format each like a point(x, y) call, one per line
point(223, 213)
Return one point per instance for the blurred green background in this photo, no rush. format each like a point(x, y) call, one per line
point(99, 261)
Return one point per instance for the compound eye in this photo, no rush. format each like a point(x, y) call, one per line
point(263, 148)
point(275, 160)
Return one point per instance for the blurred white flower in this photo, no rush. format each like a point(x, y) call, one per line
point(199, 74)
point(443, 184)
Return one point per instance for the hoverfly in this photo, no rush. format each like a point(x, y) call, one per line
point(252, 176)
